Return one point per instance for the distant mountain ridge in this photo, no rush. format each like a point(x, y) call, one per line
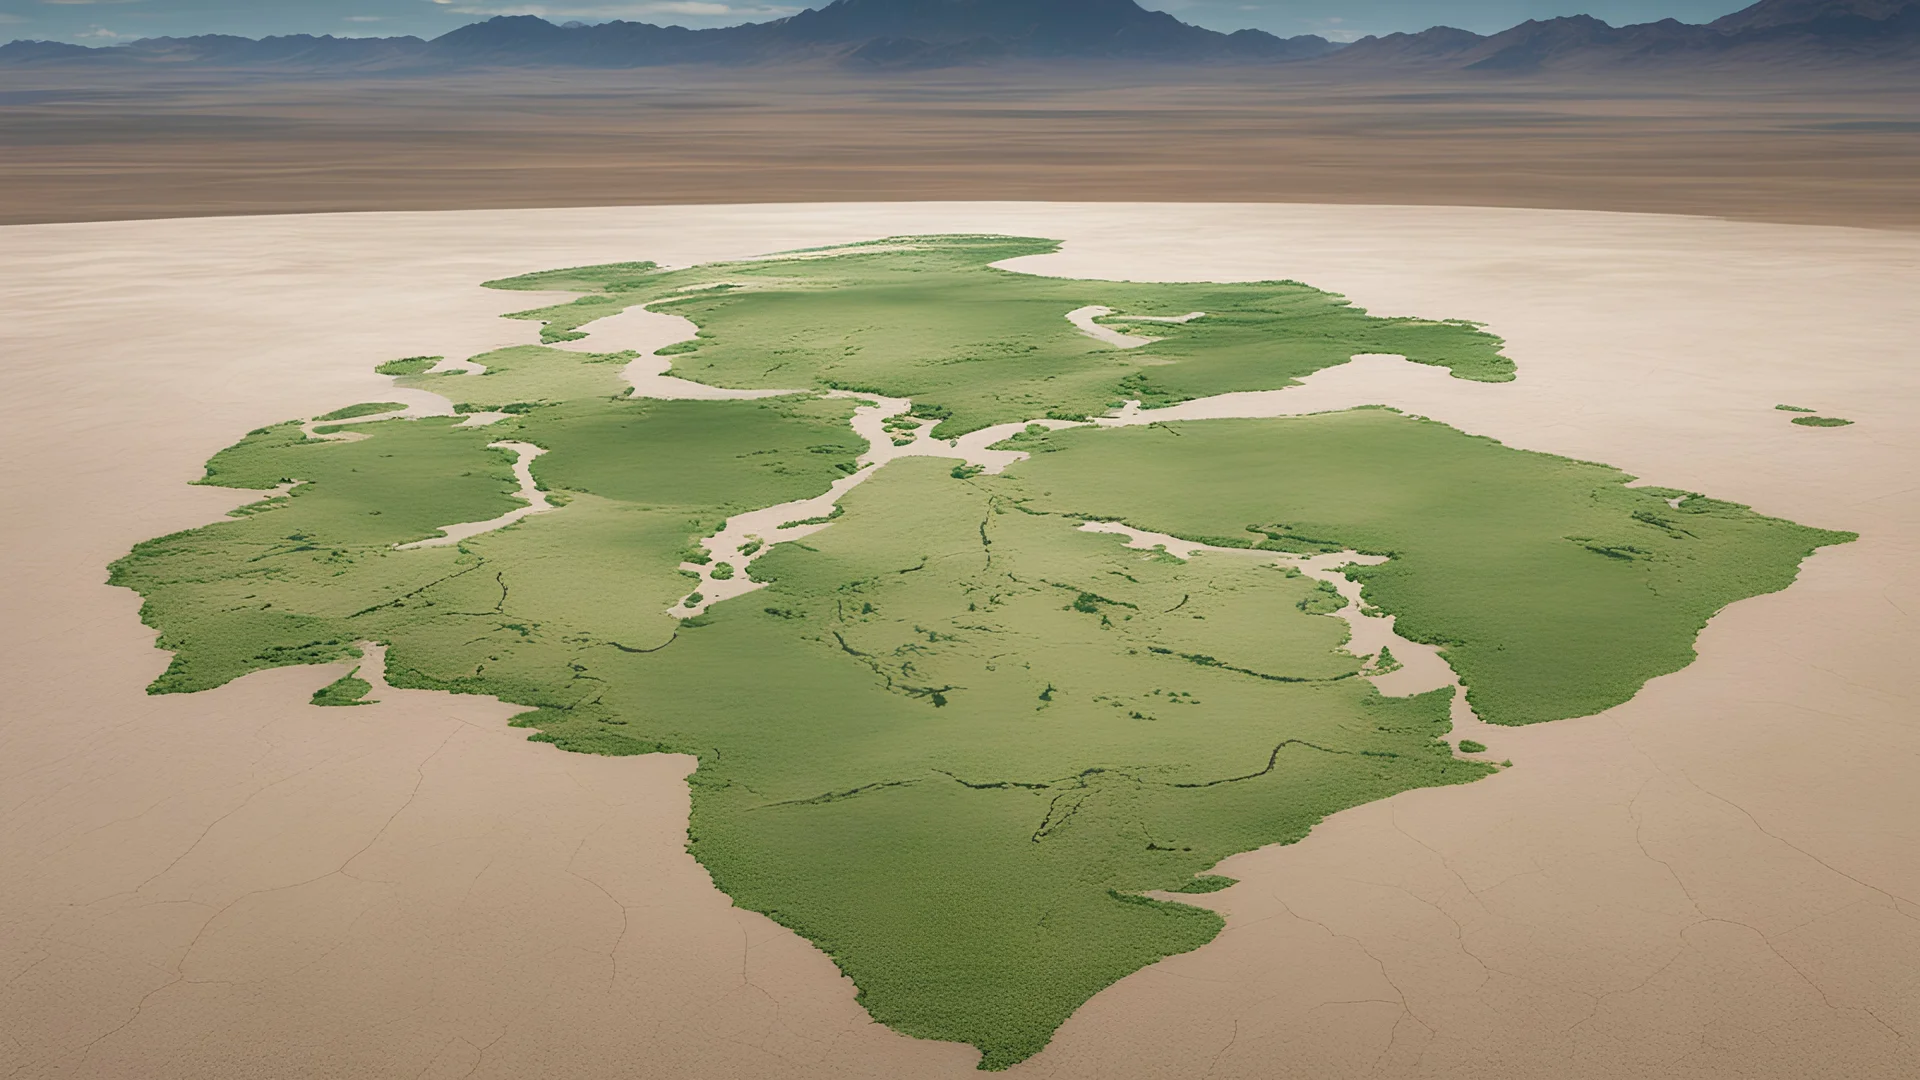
point(883, 33)
point(1772, 32)
point(907, 34)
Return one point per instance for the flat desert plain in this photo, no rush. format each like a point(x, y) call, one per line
point(1720, 878)
point(1782, 144)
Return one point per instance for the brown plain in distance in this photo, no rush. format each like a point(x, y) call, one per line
point(1826, 148)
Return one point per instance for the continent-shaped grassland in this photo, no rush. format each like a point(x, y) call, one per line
point(932, 319)
point(967, 749)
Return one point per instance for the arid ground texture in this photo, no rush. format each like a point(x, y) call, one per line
point(1713, 878)
point(1826, 146)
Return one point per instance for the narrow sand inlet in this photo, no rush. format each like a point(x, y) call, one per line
point(642, 330)
point(529, 490)
point(1083, 320)
point(746, 537)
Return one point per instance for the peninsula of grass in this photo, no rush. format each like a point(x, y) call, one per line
point(412, 365)
point(365, 408)
point(348, 689)
point(1208, 883)
point(1551, 587)
point(960, 745)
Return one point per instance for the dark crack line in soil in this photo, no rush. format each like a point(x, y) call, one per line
point(836, 796)
point(643, 652)
point(398, 600)
point(997, 785)
point(1273, 761)
point(1210, 662)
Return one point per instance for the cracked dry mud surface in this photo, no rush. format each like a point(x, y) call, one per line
point(1716, 879)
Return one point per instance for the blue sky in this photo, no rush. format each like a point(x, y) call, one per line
point(105, 21)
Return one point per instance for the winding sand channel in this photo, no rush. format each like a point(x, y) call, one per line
point(537, 503)
point(1718, 879)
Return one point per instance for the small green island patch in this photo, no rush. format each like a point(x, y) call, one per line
point(365, 408)
point(963, 737)
point(411, 365)
point(1821, 421)
point(1207, 883)
point(348, 689)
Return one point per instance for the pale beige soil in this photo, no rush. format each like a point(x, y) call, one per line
point(1718, 879)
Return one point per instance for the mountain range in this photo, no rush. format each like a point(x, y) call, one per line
point(908, 34)
point(1772, 33)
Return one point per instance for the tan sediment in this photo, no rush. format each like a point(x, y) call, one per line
point(644, 331)
point(1084, 320)
point(766, 527)
point(1717, 879)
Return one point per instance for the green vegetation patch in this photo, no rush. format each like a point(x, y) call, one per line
point(348, 689)
point(527, 375)
point(734, 455)
point(1821, 421)
point(368, 408)
point(1207, 883)
point(931, 318)
point(1795, 408)
point(411, 365)
point(1468, 746)
point(995, 736)
point(1553, 588)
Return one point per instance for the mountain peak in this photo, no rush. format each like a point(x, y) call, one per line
point(1773, 14)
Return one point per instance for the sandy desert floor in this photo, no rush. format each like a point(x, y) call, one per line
point(1719, 879)
point(1826, 148)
